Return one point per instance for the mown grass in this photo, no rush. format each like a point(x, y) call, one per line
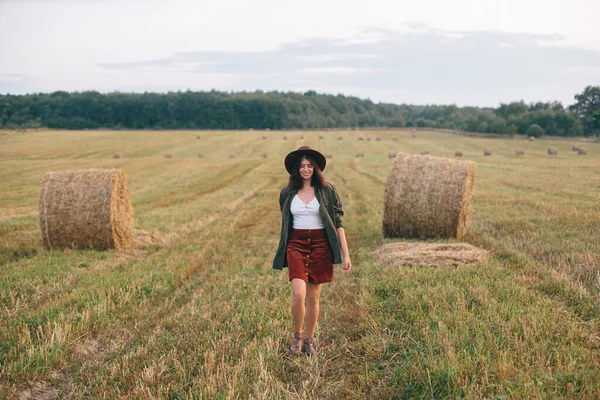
point(202, 315)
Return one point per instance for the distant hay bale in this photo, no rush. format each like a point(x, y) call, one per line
point(285, 138)
point(168, 155)
point(302, 137)
point(264, 155)
point(117, 155)
point(86, 209)
point(552, 151)
point(200, 155)
point(232, 156)
point(361, 138)
point(427, 197)
point(198, 137)
point(264, 138)
point(378, 139)
point(429, 254)
point(425, 153)
point(392, 154)
point(360, 154)
point(328, 155)
point(321, 137)
point(575, 148)
point(267, 129)
point(251, 129)
point(414, 134)
point(368, 139)
point(532, 138)
point(581, 151)
point(520, 152)
point(340, 138)
point(458, 153)
point(395, 138)
point(487, 152)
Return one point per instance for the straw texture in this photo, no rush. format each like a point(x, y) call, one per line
point(427, 197)
point(86, 209)
point(429, 254)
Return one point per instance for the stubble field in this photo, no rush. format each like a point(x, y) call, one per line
point(201, 314)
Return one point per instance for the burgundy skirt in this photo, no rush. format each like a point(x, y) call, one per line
point(309, 256)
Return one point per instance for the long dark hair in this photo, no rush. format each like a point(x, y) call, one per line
point(317, 180)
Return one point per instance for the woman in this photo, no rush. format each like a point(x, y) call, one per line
point(312, 240)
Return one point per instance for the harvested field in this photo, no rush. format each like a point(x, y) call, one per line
point(429, 254)
point(194, 309)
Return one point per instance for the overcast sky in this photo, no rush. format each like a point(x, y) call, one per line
point(467, 52)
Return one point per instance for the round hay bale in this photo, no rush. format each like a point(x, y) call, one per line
point(378, 139)
point(395, 138)
point(251, 129)
point(361, 138)
point(425, 153)
point(264, 138)
point(427, 197)
point(285, 138)
point(117, 155)
point(428, 254)
point(581, 151)
point(552, 151)
point(520, 152)
point(340, 138)
point(328, 155)
point(86, 209)
point(168, 155)
point(532, 138)
point(321, 137)
point(200, 155)
point(232, 156)
point(487, 152)
point(458, 153)
point(264, 155)
point(360, 154)
point(575, 148)
point(392, 154)
point(268, 129)
point(368, 139)
point(198, 137)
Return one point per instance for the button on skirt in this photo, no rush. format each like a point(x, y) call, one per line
point(309, 256)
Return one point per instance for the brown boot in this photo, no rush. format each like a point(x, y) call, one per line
point(295, 347)
point(308, 347)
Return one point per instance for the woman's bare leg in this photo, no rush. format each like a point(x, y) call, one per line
point(298, 298)
point(313, 292)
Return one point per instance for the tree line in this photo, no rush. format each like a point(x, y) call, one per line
point(289, 110)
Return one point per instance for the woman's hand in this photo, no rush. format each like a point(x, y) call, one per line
point(347, 264)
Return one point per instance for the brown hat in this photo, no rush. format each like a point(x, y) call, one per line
point(290, 159)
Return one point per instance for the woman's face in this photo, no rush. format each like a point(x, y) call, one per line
point(306, 169)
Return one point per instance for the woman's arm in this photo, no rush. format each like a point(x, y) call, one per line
point(346, 263)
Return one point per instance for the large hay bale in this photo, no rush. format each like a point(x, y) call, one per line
point(532, 138)
point(117, 155)
point(425, 153)
point(392, 154)
point(581, 151)
point(458, 153)
point(198, 137)
point(429, 254)
point(552, 151)
point(520, 152)
point(360, 154)
point(575, 148)
point(328, 155)
point(168, 155)
point(427, 197)
point(487, 152)
point(321, 137)
point(264, 155)
point(86, 209)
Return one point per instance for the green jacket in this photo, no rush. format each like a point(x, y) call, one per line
point(330, 208)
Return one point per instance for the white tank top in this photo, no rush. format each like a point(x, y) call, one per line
point(306, 216)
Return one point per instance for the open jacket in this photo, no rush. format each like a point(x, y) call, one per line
point(330, 209)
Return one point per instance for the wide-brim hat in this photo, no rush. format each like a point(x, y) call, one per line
point(290, 159)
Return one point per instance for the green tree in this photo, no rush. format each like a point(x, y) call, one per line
point(588, 105)
point(535, 130)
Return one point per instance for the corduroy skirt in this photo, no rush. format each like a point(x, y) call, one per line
point(309, 256)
